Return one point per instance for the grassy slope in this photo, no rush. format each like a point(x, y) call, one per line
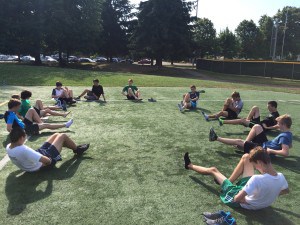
point(133, 172)
point(12, 74)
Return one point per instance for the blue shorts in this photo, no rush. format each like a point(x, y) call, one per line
point(50, 151)
point(193, 105)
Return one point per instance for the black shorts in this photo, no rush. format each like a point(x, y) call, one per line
point(254, 121)
point(37, 111)
point(231, 114)
point(130, 97)
point(31, 128)
point(260, 139)
point(249, 145)
point(50, 151)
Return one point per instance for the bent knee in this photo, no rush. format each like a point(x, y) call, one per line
point(214, 169)
point(255, 107)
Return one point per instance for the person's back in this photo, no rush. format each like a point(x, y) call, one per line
point(262, 190)
point(284, 138)
point(24, 157)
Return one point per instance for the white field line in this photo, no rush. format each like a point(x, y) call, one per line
point(6, 159)
point(3, 103)
point(205, 100)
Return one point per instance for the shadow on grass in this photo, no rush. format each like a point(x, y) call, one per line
point(6, 141)
point(287, 163)
point(267, 216)
point(197, 110)
point(47, 134)
point(23, 188)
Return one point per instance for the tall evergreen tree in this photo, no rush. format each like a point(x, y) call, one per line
point(228, 43)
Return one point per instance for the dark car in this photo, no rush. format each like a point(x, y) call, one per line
point(144, 61)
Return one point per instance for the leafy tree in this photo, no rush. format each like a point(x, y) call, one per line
point(116, 16)
point(250, 39)
point(163, 29)
point(204, 36)
point(265, 27)
point(228, 43)
point(292, 34)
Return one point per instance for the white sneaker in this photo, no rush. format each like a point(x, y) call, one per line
point(69, 123)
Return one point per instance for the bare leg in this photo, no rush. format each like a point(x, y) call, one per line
point(244, 168)
point(32, 116)
point(84, 92)
point(52, 113)
point(186, 101)
point(256, 130)
point(138, 94)
point(62, 140)
point(237, 122)
point(70, 93)
point(50, 126)
point(254, 113)
point(227, 103)
point(228, 141)
point(39, 104)
point(130, 93)
point(213, 171)
point(219, 114)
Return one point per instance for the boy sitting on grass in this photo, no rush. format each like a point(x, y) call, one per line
point(32, 123)
point(253, 118)
point(280, 145)
point(46, 156)
point(95, 93)
point(252, 191)
point(62, 95)
point(131, 91)
point(190, 99)
point(231, 109)
point(39, 108)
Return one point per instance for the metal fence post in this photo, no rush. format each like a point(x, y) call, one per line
point(293, 71)
point(265, 69)
point(240, 68)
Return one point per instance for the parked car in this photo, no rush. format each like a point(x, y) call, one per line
point(73, 58)
point(86, 60)
point(144, 61)
point(129, 61)
point(100, 59)
point(12, 58)
point(3, 57)
point(27, 58)
point(48, 59)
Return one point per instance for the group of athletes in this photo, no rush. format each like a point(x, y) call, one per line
point(250, 192)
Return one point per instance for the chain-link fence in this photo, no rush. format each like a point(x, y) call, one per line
point(288, 70)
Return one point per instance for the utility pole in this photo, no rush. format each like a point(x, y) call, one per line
point(275, 39)
point(283, 39)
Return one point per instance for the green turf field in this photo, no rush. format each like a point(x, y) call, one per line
point(133, 172)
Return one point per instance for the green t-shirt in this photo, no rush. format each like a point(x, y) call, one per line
point(133, 88)
point(25, 106)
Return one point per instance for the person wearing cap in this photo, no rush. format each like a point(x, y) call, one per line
point(131, 91)
point(94, 94)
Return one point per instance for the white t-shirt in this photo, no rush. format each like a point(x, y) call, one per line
point(24, 157)
point(262, 190)
point(238, 105)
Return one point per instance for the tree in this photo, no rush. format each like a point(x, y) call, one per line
point(249, 38)
point(204, 36)
point(292, 33)
point(116, 16)
point(228, 43)
point(265, 27)
point(163, 29)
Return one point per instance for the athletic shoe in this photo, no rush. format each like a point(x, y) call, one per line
point(69, 123)
point(212, 135)
point(180, 108)
point(151, 100)
point(201, 91)
point(81, 149)
point(187, 160)
point(222, 221)
point(205, 116)
point(78, 98)
point(215, 215)
point(221, 122)
point(72, 102)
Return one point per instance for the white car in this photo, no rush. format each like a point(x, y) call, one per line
point(48, 59)
point(86, 60)
point(27, 58)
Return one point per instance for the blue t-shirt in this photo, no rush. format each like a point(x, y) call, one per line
point(194, 95)
point(284, 138)
point(11, 118)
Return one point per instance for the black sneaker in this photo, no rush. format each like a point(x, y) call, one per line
point(81, 149)
point(187, 160)
point(212, 135)
point(78, 98)
point(215, 215)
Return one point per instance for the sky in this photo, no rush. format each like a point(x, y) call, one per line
point(229, 13)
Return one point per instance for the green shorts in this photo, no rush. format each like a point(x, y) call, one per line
point(229, 191)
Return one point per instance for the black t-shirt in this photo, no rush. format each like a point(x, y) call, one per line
point(194, 95)
point(270, 120)
point(97, 90)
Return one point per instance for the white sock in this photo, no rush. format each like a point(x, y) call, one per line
point(69, 123)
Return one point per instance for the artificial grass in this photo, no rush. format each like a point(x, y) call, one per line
point(15, 74)
point(133, 172)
